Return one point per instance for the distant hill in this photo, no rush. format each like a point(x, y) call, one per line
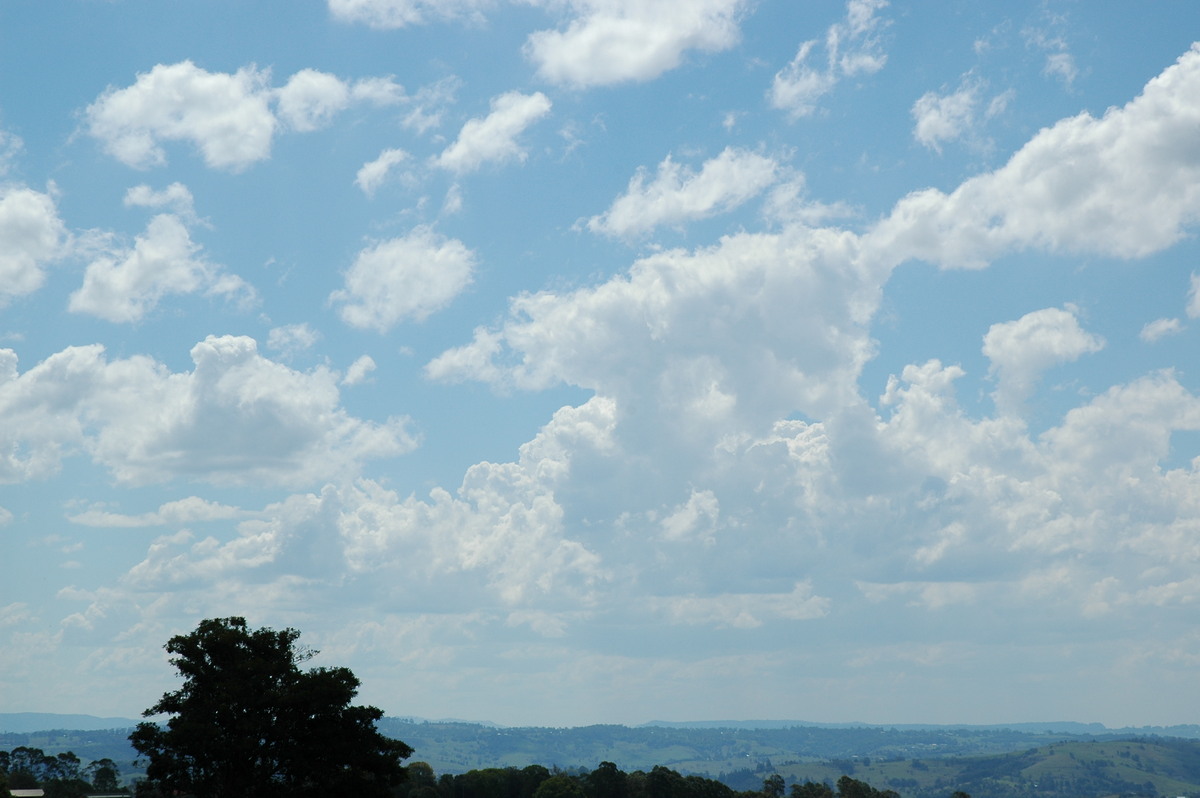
point(1190, 731)
point(1053, 760)
point(25, 722)
point(714, 750)
point(1148, 767)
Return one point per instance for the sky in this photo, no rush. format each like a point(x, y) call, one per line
point(559, 362)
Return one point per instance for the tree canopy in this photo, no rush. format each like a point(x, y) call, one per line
point(248, 722)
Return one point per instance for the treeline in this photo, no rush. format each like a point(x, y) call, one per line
point(608, 781)
point(58, 776)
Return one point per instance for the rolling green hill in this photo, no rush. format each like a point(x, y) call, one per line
point(917, 762)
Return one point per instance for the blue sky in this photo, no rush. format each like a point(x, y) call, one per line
point(557, 362)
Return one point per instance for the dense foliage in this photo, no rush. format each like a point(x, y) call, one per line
point(608, 781)
point(248, 722)
point(59, 776)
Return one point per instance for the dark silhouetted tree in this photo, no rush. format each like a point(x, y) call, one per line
point(104, 775)
point(249, 723)
point(811, 789)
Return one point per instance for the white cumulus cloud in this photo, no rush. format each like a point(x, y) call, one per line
point(1124, 184)
point(31, 236)
point(1020, 351)
point(404, 278)
point(236, 418)
point(852, 47)
point(125, 285)
point(228, 117)
point(1160, 328)
point(493, 138)
point(614, 41)
point(373, 173)
point(678, 194)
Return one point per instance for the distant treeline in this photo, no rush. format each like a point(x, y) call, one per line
point(59, 776)
point(609, 781)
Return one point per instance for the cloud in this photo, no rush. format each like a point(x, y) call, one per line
point(191, 510)
point(615, 41)
point(852, 48)
point(947, 117)
point(701, 344)
point(33, 235)
point(127, 283)
point(176, 197)
point(359, 371)
point(1061, 66)
point(310, 99)
point(504, 525)
point(1160, 328)
point(392, 14)
point(695, 520)
point(1021, 350)
point(292, 338)
point(493, 138)
point(429, 103)
point(373, 173)
point(1193, 298)
point(237, 418)
point(228, 117)
point(1048, 37)
point(677, 194)
point(405, 278)
point(10, 146)
point(746, 611)
point(1123, 185)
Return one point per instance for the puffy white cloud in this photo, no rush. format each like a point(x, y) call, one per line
point(494, 138)
point(372, 174)
point(696, 346)
point(852, 47)
point(1160, 328)
point(391, 14)
point(1021, 350)
point(176, 196)
point(404, 278)
point(228, 117)
point(1124, 185)
point(613, 41)
point(310, 99)
point(1193, 298)
point(125, 285)
point(1039, 523)
point(359, 371)
point(237, 417)
point(953, 115)
point(505, 524)
point(31, 235)
point(695, 520)
point(678, 194)
point(945, 117)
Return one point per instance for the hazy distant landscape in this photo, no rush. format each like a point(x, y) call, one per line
point(1044, 759)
